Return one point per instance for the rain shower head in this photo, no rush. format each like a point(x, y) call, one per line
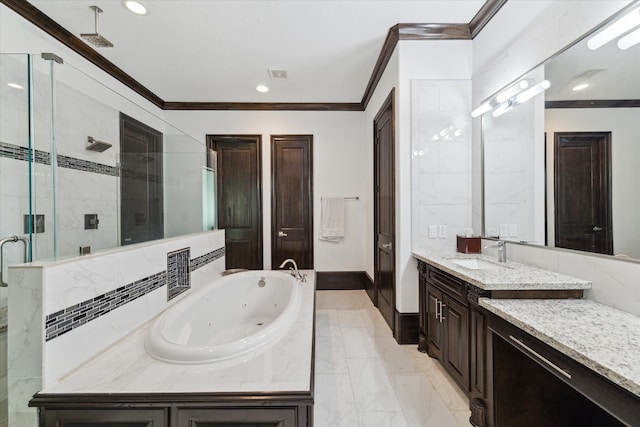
point(98, 146)
point(96, 38)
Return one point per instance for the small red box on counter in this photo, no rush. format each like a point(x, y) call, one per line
point(469, 245)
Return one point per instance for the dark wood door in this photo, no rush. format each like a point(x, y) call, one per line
point(292, 200)
point(239, 198)
point(141, 178)
point(384, 210)
point(455, 356)
point(583, 191)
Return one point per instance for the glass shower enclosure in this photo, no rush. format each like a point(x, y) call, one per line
point(59, 192)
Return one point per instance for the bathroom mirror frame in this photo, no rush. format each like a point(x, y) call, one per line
point(483, 142)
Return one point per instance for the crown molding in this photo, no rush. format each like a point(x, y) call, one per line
point(395, 34)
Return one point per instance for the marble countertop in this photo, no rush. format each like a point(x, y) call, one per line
point(126, 367)
point(506, 276)
point(600, 337)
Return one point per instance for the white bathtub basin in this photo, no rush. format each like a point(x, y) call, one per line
point(231, 317)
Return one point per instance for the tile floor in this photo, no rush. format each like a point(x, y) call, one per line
point(364, 378)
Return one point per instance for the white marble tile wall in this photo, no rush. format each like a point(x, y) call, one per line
point(43, 288)
point(441, 160)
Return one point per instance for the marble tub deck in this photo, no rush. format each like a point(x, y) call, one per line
point(601, 338)
point(126, 367)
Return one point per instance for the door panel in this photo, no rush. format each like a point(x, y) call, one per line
point(141, 182)
point(239, 198)
point(384, 210)
point(583, 191)
point(456, 340)
point(292, 200)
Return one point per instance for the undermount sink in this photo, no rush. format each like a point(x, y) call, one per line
point(477, 264)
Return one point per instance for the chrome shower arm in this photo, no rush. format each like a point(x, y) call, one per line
point(25, 242)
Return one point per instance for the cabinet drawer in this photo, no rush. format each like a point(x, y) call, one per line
point(446, 282)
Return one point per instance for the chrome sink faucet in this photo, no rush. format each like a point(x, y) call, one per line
point(502, 250)
point(294, 270)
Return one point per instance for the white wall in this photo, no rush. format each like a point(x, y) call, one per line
point(520, 36)
point(624, 125)
point(339, 169)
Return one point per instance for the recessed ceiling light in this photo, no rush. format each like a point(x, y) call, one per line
point(262, 88)
point(15, 85)
point(580, 87)
point(135, 7)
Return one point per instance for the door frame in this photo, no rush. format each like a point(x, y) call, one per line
point(389, 103)
point(212, 139)
point(274, 230)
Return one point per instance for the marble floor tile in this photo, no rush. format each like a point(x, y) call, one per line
point(358, 344)
point(330, 356)
point(371, 387)
point(327, 323)
point(364, 378)
point(334, 403)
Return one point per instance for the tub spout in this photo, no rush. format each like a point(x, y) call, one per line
point(294, 270)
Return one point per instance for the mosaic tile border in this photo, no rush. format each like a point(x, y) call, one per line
point(18, 152)
point(205, 259)
point(63, 321)
point(72, 317)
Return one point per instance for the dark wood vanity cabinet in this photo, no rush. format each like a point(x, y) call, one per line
point(453, 330)
point(444, 322)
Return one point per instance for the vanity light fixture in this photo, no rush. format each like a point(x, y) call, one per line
point(262, 88)
point(512, 91)
point(533, 91)
point(618, 28)
point(629, 40)
point(580, 87)
point(503, 108)
point(15, 86)
point(135, 7)
point(482, 109)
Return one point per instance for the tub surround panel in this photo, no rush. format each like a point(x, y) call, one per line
point(602, 338)
point(127, 368)
point(48, 288)
point(508, 276)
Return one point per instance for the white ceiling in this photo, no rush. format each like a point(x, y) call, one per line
point(219, 50)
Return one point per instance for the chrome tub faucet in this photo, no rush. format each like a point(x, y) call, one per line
point(294, 270)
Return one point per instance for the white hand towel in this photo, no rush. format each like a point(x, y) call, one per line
point(332, 224)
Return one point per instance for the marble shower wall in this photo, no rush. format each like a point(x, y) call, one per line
point(441, 161)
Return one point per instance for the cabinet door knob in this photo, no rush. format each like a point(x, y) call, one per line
point(282, 234)
point(442, 307)
point(596, 228)
point(386, 246)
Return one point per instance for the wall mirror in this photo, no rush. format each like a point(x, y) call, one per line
point(561, 168)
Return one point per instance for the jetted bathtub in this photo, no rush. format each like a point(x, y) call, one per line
point(233, 316)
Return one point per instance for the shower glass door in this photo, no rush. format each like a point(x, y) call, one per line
point(16, 176)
